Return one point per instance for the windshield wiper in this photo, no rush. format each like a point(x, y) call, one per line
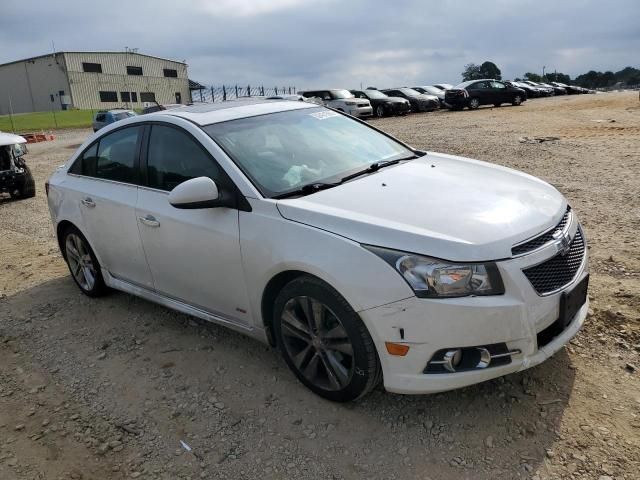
point(307, 189)
point(317, 186)
point(374, 167)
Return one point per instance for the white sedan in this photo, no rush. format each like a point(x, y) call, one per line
point(360, 258)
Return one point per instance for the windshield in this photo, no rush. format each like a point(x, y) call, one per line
point(432, 90)
point(282, 152)
point(123, 115)
point(374, 94)
point(410, 92)
point(341, 94)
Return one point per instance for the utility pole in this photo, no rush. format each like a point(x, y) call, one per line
point(543, 67)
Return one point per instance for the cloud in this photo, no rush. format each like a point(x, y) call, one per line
point(335, 43)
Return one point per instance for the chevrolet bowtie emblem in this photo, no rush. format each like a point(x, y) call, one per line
point(563, 241)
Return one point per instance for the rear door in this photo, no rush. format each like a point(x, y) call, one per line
point(194, 255)
point(104, 183)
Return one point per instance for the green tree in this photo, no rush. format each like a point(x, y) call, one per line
point(532, 77)
point(471, 72)
point(490, 70)
point(557, 77)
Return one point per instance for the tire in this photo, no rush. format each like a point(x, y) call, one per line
point(82, 262)
point(28, 187)
point(379, 111)
point(517, 100)
point(324, 342)
point(474, 103)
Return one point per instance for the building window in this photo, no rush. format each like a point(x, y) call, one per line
point(134, 70)
point(108, 97)
point(170, 72)
point(125, 97)
point(134, 97)
point(92, 67)
point(147, 97)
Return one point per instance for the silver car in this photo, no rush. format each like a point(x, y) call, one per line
point(342, 100)
point(105, 117)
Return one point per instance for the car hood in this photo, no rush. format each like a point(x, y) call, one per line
point(10, 139)
point(440, 205)
point(393, 99)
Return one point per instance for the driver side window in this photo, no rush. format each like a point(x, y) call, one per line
point(175, 157)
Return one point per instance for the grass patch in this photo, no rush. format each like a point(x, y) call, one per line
point(33, 122)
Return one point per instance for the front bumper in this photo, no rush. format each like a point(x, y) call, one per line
point(361, 112)
point(431, 325)
point(429, 105)
point(398, 108)
point(11, 180)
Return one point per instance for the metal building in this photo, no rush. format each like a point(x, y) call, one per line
point(91, 80)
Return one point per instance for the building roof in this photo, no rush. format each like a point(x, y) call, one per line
point(208, 113)
point(91, 52)
point(193, 85)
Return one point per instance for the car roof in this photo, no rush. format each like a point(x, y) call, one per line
point(208, 113)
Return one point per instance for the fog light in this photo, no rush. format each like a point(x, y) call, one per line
point(452, 359)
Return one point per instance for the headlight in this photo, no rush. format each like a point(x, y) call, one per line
point(432, 277)
point(350, 103)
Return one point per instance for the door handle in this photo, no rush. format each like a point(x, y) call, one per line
point(88, 202)
point(149, 221)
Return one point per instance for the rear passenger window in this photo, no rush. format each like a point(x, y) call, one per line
point(86, 163)
point(175, 157)
point(117, 155)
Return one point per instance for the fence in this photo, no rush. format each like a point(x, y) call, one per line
point(230, 92)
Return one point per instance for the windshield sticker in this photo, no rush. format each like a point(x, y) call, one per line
point(324, 114)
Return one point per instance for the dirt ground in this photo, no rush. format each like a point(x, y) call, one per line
point(108, 388)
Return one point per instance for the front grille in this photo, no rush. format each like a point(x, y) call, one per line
point(362, 105)
point(558, 271)
point(540, 240)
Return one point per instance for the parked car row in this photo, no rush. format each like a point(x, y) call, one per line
point(380, 103)
point(536, 89)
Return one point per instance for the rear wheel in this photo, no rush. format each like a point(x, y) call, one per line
point(324, 342)
point(517, 100)
point(83, 265)
point(474, 103)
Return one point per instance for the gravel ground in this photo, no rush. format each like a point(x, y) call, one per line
point(109, 388)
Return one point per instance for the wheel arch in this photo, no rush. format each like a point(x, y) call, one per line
point(60, 228)
point(269, 294)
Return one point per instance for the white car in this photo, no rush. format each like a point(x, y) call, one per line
point(359, 257)
point(342, 100)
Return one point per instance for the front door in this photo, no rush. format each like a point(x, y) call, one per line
point(194, 255)
point(499, 92)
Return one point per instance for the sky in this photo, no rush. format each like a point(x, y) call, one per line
point(336, 43)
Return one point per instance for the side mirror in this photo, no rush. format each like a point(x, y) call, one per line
point(200, 192)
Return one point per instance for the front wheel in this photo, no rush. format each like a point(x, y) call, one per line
point(517, 100)
point(83, 264)
point(474, 103)
point(324, 342)
point(379, 111)
point(28, 187)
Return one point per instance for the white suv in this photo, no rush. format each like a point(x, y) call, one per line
point(342, 100)
point(359, 257)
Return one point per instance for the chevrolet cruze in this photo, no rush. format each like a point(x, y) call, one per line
point(360, 258)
